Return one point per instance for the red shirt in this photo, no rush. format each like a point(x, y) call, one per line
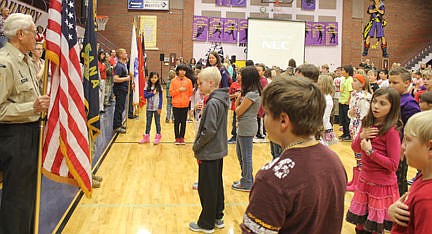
point(264, 83)
point(417, 95)
point(113, 61)
point(419, 203)
point(39, 37)
point(235, 87)
point(380, 167)
point(102, 70)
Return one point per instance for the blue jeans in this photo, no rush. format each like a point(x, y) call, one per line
point(3, 41)
point(244, 154)
point(169, 109)
point(149, 115)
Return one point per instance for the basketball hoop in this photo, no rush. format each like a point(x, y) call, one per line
point(101, 21)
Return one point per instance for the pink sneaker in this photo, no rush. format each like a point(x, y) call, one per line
point(146, 139)
point(157, 139)
point(182, 141)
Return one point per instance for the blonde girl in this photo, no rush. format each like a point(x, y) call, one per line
point(325, 83)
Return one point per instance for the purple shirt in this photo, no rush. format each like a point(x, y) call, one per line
point(408, 107)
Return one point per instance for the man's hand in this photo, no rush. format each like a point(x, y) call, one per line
point(41, 104)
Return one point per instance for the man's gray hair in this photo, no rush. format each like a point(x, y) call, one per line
point(15, 22)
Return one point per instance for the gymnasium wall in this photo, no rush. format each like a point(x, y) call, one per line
point(407, 32)
point(408, 28)
point(326, 11)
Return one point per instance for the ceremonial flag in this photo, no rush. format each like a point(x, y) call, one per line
point(89, 54)
point(133, 65)
point(66, 152)
point(141, 69)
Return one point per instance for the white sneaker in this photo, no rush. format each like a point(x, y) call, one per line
point(194, 227)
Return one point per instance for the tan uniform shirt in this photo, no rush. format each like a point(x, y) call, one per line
point(18, 86)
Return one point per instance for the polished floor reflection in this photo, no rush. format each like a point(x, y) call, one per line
point(148, 188)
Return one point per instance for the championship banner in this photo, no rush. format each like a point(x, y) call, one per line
point(238, 3)
point(200, 28)
point(234, 3)
point(318, 34)
point(308, 33)
point(149, 27)
point(230, 30)
point(216, 29)
point(308, 5)
point(242, 28)
point(222, 2)
point(331, 34)
point(40, 17)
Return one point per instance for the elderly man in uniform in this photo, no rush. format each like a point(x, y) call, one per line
point(20, 107)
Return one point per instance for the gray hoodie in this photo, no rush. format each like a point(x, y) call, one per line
point(211, 141)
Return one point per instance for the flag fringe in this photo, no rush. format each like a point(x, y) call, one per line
point(53, 57)
point(73, 171)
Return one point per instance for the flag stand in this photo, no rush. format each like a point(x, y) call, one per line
point(39, 163)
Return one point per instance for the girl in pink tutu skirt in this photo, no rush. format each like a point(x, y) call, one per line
point(379, 146)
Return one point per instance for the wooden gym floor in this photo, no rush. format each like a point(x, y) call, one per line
point(148, 188)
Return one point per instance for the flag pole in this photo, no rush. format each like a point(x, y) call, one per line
point(128, 93)
point(39, 162)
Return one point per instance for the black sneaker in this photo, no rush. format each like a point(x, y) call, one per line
point(120, 130)
point(232, 140)
point(260, 136)
point(239, 187)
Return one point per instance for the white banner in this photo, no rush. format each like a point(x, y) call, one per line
point(148, 5)
point(40, 17)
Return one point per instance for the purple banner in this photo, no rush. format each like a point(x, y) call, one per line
point(308, 4)
point(200, 28)
point(317, 34)
point(234, 3)
point(331, 35)
point(216, 29)
point(222, 2)
point(308, 33)
point(230, 30)
point(243, 29)
point(238, 3)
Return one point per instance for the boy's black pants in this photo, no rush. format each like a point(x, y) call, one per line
point(401, 174)
point(211, 192)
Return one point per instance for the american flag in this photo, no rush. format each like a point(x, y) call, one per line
point(66, 152)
